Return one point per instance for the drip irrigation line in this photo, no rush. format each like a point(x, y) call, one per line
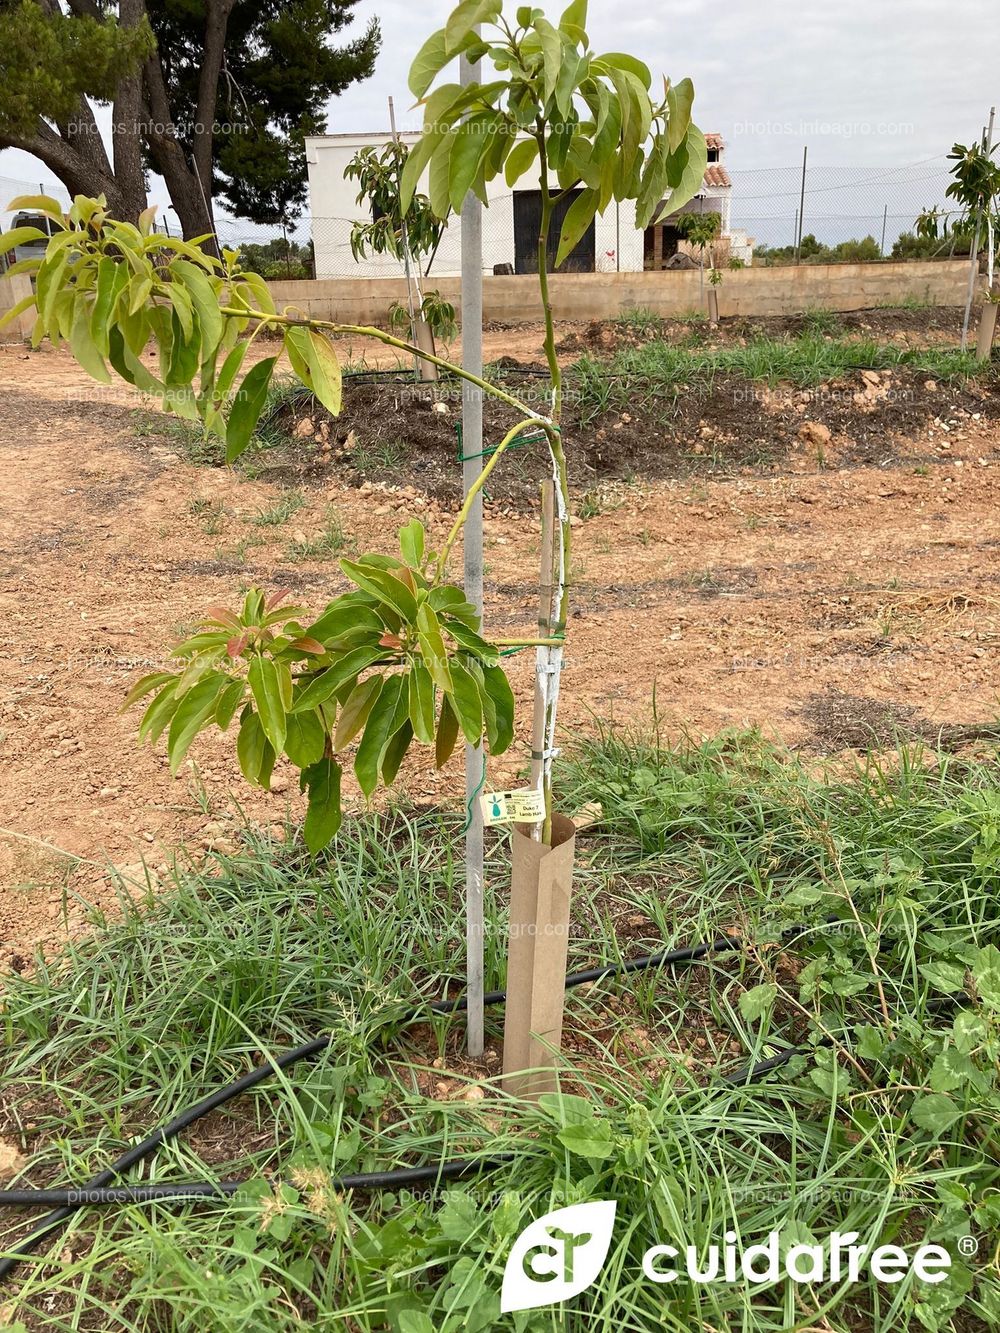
point(66, 1202)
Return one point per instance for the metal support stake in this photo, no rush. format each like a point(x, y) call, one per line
point(472, 545)
point(802, 205)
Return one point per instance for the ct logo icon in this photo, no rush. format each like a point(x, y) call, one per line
point(557, 1256)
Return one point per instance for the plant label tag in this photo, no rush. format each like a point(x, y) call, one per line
point(524, 806)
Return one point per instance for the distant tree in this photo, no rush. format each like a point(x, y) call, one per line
point(216, 96)
point(913, 245)
point(865, 251)
point(278, 258)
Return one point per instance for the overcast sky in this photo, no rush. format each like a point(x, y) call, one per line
point(866, 83)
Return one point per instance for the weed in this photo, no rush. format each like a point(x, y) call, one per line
point(274, 515)
point(885, 1124)
point(821, 323)
point(331, 540)
point(370, 457)
point(640, 320)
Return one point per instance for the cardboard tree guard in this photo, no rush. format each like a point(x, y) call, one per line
point(541, 889)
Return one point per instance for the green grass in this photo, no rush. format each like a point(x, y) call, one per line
point(821, 322)
point(284, 507)
point(641, 320)
point(263, 949)
point(654, 373)
point(331, 540)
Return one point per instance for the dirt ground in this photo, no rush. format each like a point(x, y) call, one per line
point(828, 599)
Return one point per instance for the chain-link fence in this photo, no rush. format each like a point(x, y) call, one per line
point(771, 215)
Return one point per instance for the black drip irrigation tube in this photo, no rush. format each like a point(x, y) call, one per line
point(99, 1190)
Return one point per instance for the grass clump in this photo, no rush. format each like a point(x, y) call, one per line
point(656, 372)
point(331, 540)
point(887, 1123)
point(284, 507)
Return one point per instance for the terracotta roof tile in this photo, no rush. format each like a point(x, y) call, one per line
point(716, 175)
point(714, 140)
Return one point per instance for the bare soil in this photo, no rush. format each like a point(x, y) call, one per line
point(824, 594)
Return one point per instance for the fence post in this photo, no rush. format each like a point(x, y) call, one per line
point(802, 205)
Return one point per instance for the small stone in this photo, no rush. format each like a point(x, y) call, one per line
point(815, 433)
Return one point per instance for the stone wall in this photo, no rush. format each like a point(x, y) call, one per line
point(581, 296)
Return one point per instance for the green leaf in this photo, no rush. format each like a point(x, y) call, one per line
point(159, 713)
point(305, 739)
point(758, 1001)
point(986, 974)
point(247, 407)
point(942, 976)
point(473, 139)
point(520, 159)
point(344, 618)
point(254, 751)
point(395, 751)
point(377, 731)
point(383, 585)
point(324, 684)
point(194, 710)
point(354, 713)
point(633, 65)
point(411, 543)
point(680, 99)
point(38, 203)
point(315, 362)
point(20, 236)
point(498, 688)
point(416, 160)
point(950, 1070)
point(205, 301)
point(83, 346)
point(145, 685)
point(465, 17)
point(427, 63)
point(415, 1321)
point(322, 821)
point(229, 700)
point(466, 702)
point(592, 1140)
point(469, 640)
point(266, 690)
point(686, 171)
point(575, 14)
point(552, 54)
point(432, 648)
point(578, 218)
point(934, 1112)
point(439, 176)
point(111, 278)
point(447, 734)
point(421, 697)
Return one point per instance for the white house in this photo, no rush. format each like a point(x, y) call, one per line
point(510, 221)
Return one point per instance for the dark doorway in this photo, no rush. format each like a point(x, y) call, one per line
point(527, 219)
point(660, 243)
